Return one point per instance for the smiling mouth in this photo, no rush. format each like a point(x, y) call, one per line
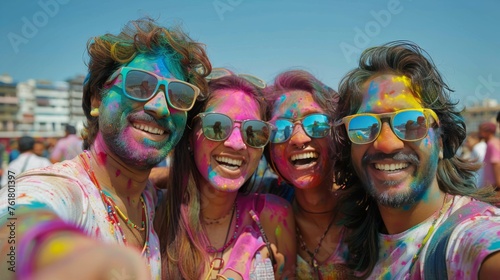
point(391, 167)
point(229, 163)
point(149, 129)
point(304, 159)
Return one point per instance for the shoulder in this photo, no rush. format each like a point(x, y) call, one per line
point(276, 209)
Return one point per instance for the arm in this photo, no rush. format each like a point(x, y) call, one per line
point(496, 172)
point(41, 239)
point(279, 223)
point(490, 268)
point(63, 253)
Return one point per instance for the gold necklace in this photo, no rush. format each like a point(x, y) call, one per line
point(428, 235)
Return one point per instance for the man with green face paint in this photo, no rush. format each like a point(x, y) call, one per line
point(92, 217)
point(410, 202)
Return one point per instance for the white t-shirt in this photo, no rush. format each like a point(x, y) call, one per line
point(66, 189)
point(469, 244)
point(23, 162)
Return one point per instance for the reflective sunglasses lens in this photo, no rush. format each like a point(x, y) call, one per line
point(316, 126)
point(363, 129)
point(410, 125)
point(181, 96)
point(254, 80)
point(283, 131)
point(216, 127)
point(255, 133)
point(140, 85)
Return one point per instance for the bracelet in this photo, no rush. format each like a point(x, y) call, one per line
point(36, 236)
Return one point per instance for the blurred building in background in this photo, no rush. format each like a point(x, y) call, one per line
point(39, 108)
point(8, 104)
point(475, 115)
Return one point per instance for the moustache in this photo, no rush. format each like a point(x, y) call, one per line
point(398, 156)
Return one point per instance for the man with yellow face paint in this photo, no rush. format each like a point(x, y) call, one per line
point(411, 204)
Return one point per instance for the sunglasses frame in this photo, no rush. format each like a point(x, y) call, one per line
point(160, 81)
point(379, 117)
point(301, 122)
point(220, 72)
point(242, 124)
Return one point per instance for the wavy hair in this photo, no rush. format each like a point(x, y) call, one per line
point(454, 175)
point(108, 52)
point(299, 80)
point(182, 236)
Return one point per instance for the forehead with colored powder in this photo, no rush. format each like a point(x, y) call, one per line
point(233, 103)
point(387, 93)
point(295, 104)
point(159, 65)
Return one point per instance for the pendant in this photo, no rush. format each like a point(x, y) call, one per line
point(314, 263)
point(217, 263)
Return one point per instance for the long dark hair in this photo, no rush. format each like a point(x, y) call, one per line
point(454, 175)
point(182, 238)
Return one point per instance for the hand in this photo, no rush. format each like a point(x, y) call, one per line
point(97, 262)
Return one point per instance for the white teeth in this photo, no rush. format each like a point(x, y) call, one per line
point(152, 130)
point(305, 156)
point(230, 161)
point(391, 167)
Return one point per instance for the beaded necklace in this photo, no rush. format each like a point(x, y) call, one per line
point(314, 262)
point(218, 262)
point(110, 205)
point(236, 211)
point(428, 235)
point(210, 221)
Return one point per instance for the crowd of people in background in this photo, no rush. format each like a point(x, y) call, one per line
point(184, 171)
point(42, 149)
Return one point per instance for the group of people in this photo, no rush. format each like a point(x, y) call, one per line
point(369, 200)
point(483, 146)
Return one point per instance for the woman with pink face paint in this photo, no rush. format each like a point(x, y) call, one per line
point(91, 217)
point(213, 230)
point(300, 153)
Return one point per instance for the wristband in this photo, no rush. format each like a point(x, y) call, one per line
point(36, 236)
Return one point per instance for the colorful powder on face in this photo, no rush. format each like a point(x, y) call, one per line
point(102, 158)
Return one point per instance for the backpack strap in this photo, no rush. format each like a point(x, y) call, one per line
point(435, 258)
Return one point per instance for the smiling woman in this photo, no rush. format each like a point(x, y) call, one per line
point(300, 107)
point(213, 230)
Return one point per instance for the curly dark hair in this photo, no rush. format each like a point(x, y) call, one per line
point(454, 175)
point(108, 52)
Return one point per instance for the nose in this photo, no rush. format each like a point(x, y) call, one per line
point(299, 137)
point(387, 142)
point(158, 105)
point(235, 140)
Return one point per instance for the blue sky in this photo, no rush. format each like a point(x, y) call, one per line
point(46, 39)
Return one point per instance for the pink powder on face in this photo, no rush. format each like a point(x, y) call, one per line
point(118, 172)
point(102, 158)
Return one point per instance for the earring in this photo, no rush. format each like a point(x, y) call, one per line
point(190, 151)
point(94, 112)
